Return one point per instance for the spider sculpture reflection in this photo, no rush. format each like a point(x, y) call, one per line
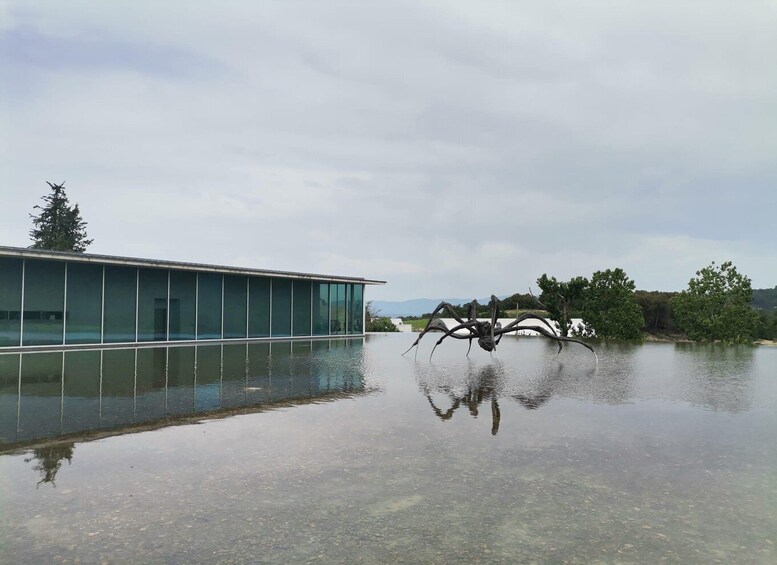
point(490, 333)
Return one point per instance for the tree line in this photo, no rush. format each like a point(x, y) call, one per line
point(717, 305)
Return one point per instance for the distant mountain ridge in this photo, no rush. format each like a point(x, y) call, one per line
point(417, 306)
point(763, 299)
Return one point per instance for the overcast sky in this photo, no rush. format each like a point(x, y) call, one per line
point(450, 148)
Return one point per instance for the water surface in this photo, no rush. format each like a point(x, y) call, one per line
point(345, 453)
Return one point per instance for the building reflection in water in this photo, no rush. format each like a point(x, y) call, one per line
point(49, 394)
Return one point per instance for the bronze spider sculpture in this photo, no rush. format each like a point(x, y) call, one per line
point(490, 333)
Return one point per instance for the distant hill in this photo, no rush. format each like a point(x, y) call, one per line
point(417, 306)
point(765, 298)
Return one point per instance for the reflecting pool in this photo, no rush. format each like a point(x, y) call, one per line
point(345, 451)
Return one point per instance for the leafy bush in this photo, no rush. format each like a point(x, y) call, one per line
point(609, 307)
point(716, 306)
point(381, 324)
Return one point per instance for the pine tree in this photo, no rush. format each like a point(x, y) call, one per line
point(58, 227)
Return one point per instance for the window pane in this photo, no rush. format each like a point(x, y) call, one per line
point(337, 308)
point(84, 303)
point(150, 383)
point(358, 308)
point(320, 308)
point(152, 305)
point(9, 386)
point(81, 403)
point(118, 387)
point(341, 307)
point(209, 307)
point(280, 375)
point(233, 379)
point(180, 391)
point(258, 371)
point(207, 391)
point(44, 302)
point(120, 296)
point(281, 307)
point(349, 308)
point(301, 307)
point(41, 398)
point(183, 304)
point(259, 307)
point(10, 300)
point(235, 306)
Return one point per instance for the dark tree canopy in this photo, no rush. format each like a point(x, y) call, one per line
point(716, 306)
point(657, 310)
point(765, 298)
point(560, 298)
point(58, 226)
point(609, 306)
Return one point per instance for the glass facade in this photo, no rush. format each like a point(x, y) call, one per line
point(183, 305)
point(210, 295)
point(84, 312)
point(301, 308)
point(320, 308)
point(337, 318)
point(357, 309)
point(44, 302)
point(259, 307)
point(235, 306)
point(10, 301)
point(281, 308)
point(152, 305)
point(119, 304)
point(54, 302)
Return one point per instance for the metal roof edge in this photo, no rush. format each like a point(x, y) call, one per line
point(25, 252)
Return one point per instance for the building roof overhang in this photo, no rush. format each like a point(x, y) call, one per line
point(27, 253)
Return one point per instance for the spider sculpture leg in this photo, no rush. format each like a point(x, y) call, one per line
point(432, 325)
point(435, 324)
point(494, 303)
point(452, 333)
point(512, 326)
point(448, 414)
point(542, 331)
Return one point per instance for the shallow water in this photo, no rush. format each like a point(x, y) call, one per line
point(352, 453)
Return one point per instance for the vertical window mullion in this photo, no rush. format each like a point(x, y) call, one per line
point(137, 301)
point(102, 311)
point(21, 309)
point(167, 331)
point(64, 315)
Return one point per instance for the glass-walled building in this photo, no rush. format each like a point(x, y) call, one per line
point(52, 298)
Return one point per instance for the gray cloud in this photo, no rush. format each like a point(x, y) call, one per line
point(406, 141)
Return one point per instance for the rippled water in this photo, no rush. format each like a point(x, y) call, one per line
point(351, 453)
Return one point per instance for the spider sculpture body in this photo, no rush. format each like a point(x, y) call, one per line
point(488, 333)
